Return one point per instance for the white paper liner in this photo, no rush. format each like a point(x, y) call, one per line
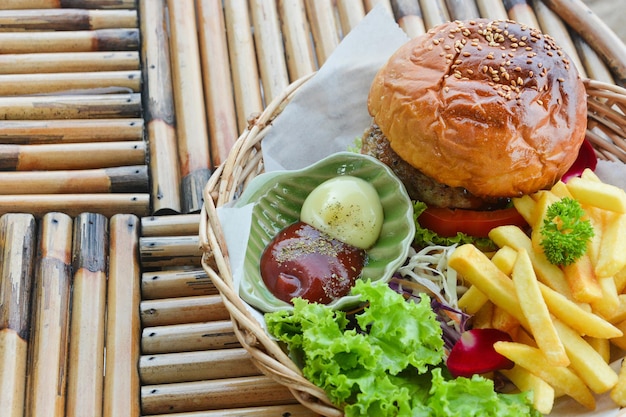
point(326, 115)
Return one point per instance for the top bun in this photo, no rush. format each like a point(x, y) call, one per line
point(495, 107)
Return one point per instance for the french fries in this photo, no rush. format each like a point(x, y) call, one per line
point(569, 319)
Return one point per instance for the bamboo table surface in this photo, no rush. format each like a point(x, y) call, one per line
point(113, 114)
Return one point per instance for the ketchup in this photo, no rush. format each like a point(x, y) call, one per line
point(302, 261)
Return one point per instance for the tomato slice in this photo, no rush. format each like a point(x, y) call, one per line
point(447, 222)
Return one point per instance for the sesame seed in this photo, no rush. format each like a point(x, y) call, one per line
point(520, 81)
point(540, 102)
point(561, 79)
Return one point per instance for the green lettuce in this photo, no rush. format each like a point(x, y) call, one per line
point(388, 361)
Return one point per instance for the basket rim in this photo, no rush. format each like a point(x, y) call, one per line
point(245, 160)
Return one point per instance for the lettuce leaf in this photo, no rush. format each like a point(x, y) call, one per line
point(387, 362)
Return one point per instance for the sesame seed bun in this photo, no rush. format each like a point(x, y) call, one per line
point(494, 107)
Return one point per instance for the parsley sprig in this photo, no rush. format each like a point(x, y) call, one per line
point(565, 232)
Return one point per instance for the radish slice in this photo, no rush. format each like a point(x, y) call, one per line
point(474, 353)
point(586, 159)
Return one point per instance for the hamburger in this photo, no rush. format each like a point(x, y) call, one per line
point(472, 114)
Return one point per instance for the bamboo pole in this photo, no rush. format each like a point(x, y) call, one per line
point(221, 393)
point(520, 11)
point(74, 204)
point(269, 47)
point(434, 12)
point(66, 19)
point(370, 4)
point(297, 35)
point(67, 82)
point(69, 41)
point(87, 106)
point(47, 378)
point(323, 28)
point(593, 63)
point(86, 354)
point(17, 255)
point(188, 337)
point(196, 366)
point(54, 62)
point(159, 108)
point(121, 382)
point(595, 32)
point(191, 126)
point(175, 225)
point(80, 4)
point(409, 17)
point(291, 410)
point(71, 156)
point(218, 91)
point(492, 9)
point(70, 131)
point(176, 283)
point(243, 62)
point(462, 9)
point(125, 179)
point(170, 251)
point(180, 310)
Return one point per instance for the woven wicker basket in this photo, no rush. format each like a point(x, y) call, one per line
point(607, 132)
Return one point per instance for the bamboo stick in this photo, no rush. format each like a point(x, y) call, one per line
point(54, 62)
point(409, 17)
point(188, 337)
point(297, 37)
point(191, 127)
point(221, 393)
point(87, 106)
point(74, 204)
point(71, 156)
point(159, 108)
point(520, 11)
point(492, 9)
point(269, 47)
point(175, 225)
point(180, 310)
point(46, 392)
point(370, 4)
point(552, 24)
point(593, 63)
point(68, 19)
point(595, 32)
point(121, 382)
point(291, 410)
point(462, 9)
point(218, 92)
point(80, 4)
point(323, 28)
point(17, 243)
point(434, 12)
point(70, 131)
point(69, 41)
point(86, 355)
point(170, 251)
point(176, 283)
point(196, 366)
point(25, 84)
point(243, 63)
point(126, 179)
point(351, 12)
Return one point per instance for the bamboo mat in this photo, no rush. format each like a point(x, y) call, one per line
point(113, 114)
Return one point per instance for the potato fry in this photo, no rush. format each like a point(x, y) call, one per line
point(482, 318)
point(560, 190)
point(584, 322)
point(619, 314)
point(620, 280)
point(618, 393)
point(598, 194)
point(536, 311)
point(612, 258)
point(609, 303)
point(602, 346)
point(549, 274)
point(596, 217)
point(589, 175)
point(545, 200)
point(586, 361)
point(503, 320)
point(620, 342)
point(475, 267)
point(559, 377)
point(581, 278)
point(504, 259)
point(472, 300)
point(525, 206)
point(543, 393)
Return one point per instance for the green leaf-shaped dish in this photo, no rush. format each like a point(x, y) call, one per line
point(278, 198)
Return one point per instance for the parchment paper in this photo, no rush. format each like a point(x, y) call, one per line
point(327, 114)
